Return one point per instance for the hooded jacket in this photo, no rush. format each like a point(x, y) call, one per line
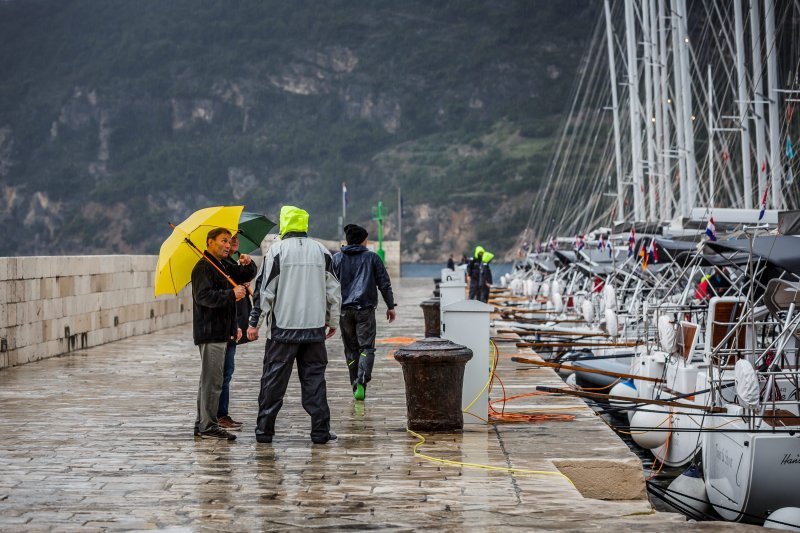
point(361, 273)
point(299, 293)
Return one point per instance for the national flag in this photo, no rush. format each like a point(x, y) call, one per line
point(610, 249)
point(631, 242)
point(344, 193)
point(763, 203)
point(652, 250)
point(601, 242)
point(711, 231)
point(553, 243)
point(578, 243)
point(789, 148)
point(643, 254)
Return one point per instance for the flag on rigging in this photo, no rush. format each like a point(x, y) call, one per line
point(711, 230)
point(763, 202)
point(553, 243)
point(652, 251)
point(601, 242)
point(578, 243)
point(631, 242)
point(789, 148)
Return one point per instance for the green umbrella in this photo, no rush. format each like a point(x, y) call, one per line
point(252, 230)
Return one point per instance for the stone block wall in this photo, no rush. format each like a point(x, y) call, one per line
point(55, 305)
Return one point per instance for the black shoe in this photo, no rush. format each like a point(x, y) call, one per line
point(218, 433)
point(264, 439)
point(196, 432)
point(332, 437)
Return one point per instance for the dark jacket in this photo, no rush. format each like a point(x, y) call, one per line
point(361, 273)
point(474, 272)
point(244, 305)
point(214, 304)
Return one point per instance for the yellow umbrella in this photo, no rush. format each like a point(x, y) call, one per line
point(183, 249)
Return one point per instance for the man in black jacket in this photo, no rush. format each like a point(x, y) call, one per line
point(361, 273)
point(243, 308)
point(214, 325)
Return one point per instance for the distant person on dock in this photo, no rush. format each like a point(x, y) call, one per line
point(361, 273)
point(474, 272)
point(300, 298)
point(450, 263)
point(214, 325)
point(243, 308)
point(485, 277)
point(464, 260)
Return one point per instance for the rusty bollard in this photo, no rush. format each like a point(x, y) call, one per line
point(433, 370)
point(433, 317)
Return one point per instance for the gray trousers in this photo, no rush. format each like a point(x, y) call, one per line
point(358, 329)
point(212, 363)
point(279, 358)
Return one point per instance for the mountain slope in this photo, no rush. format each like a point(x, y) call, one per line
point(119, 117)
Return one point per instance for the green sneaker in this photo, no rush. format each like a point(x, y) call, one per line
point(360, 392)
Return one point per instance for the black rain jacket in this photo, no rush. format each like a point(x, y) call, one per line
point(214, 304)
point(362, 273)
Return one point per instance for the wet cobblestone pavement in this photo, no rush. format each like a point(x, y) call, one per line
point(102, 439)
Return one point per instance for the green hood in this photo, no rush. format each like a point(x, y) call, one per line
point(293, 219)
point(478, 250)
point(487, 256)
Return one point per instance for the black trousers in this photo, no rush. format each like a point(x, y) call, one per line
point(358, 336)
point(474, 290)
point(279, 358)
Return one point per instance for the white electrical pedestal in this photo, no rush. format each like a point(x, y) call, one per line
point(450, 292)
point(467, 323)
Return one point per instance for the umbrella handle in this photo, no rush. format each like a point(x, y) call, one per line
point(210, 262)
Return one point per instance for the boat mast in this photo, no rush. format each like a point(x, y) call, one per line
point(666, 165)
point(772, 84)
point(688, 133)
point(633, 99)
point(612, 68)
point(656, 185)
point(647, 37)
point(758, 97)
point(710, 101)
point(741, 93)
point(679, 123)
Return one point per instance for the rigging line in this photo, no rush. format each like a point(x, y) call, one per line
point(564, 129)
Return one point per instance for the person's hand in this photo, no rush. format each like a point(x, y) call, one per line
point(330, 333)
point(238, 334)
point(391, 314)
point(252, 333)
point(245, 259)
point(239, 292)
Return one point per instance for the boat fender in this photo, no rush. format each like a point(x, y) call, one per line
point(555, 287)
point(588, 311)
point(784, 515)
point(659, 422)
point(666, 333)
point(623, 388)
point(557, 301)
point(572, 381)
point(610, 297)
point(687, 489)
point(612, 323)
point(747, 389)
point(545, 289)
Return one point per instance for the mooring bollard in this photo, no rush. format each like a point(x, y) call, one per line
point(433, 319)
point(433, 371)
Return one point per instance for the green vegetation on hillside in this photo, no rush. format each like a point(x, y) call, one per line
point(155, 109)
